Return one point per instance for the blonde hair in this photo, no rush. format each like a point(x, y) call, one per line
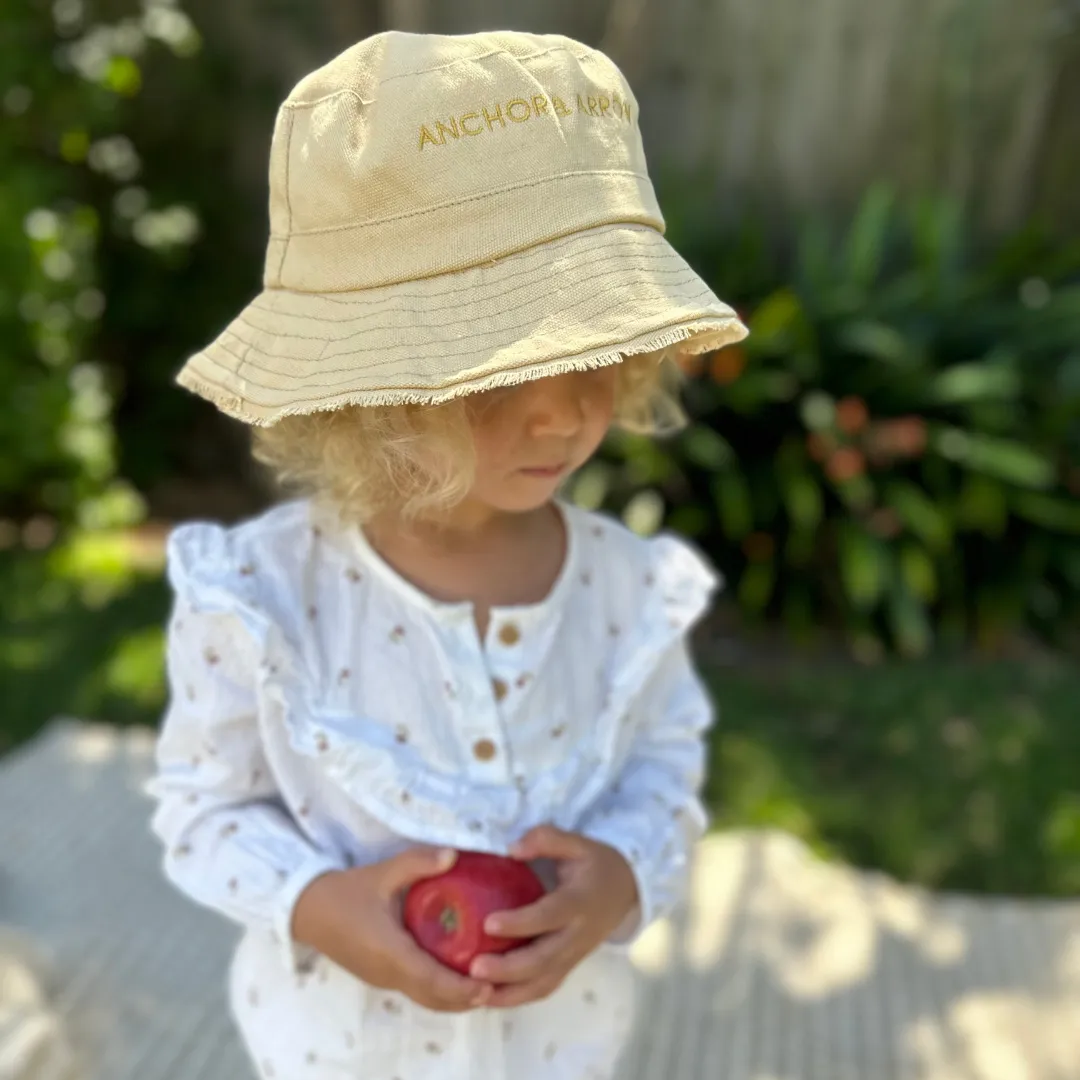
point(360, 461)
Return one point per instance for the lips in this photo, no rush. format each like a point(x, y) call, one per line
point(546, 472)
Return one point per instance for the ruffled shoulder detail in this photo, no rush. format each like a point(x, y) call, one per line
point(685, 580)
point(655, 584)
point(214, 567)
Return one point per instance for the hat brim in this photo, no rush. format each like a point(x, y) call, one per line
point(579, 302)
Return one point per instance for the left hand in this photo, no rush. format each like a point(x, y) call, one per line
point(596, 891)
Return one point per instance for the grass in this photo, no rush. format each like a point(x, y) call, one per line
point(953, 773)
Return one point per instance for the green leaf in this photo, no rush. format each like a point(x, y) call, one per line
point(814, 256)
point(864, 566)
point(917, 572)
point(756, 586)
point(803, 500)
point(982, 505)
point(732, 498)
point(876, 341)
point(123, 77)
point(777, 315)
point(704, 446)
point(1003, 458)
point(925, 518)
point(909, 622)
point(1049, 511)
point(975, 382)
point(866, 240)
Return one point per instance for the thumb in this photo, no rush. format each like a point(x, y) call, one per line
point(414, 864)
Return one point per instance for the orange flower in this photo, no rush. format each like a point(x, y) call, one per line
point(904, 436)
point(851, 415)
point(845, 464)
point(727, 364)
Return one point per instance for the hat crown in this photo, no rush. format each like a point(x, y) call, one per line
point(413, 155)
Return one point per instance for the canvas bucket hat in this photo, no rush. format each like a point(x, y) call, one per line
point(450, 214)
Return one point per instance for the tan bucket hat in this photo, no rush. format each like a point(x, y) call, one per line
point(450, 214)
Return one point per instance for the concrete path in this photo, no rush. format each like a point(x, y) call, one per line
point(781, 968)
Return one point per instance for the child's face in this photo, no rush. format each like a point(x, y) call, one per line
point(529, 438)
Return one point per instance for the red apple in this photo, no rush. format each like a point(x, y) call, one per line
point(445, 914)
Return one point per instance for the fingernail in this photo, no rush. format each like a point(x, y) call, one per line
point(447, 858)
point(493, 925)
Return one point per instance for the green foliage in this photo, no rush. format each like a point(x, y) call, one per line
point(896, 447)
point(68, 186)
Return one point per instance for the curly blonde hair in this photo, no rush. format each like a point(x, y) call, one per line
point(359, 461)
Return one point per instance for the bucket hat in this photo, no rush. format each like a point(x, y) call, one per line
point(449, 214)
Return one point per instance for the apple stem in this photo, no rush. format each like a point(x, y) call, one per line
point(448, 920)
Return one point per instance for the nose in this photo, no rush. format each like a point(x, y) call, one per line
point(557, 408)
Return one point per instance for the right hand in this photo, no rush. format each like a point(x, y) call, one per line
point(353, 917)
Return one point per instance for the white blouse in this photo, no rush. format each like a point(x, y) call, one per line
point(326, 713)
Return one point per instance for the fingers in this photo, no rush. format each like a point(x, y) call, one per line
point(510, 997)
point(548, 956)
point(552, 912)
point(430, 983)
point(548, 842)
point(414, 864)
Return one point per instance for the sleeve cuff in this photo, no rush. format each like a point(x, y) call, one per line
point(298, 958)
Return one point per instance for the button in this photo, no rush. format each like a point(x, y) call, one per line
point(484, 749)
point(509, 634)
point(499, 689)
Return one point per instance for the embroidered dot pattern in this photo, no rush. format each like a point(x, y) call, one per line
point(509, 635)
point(484, 750)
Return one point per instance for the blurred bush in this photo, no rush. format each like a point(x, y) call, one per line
point(895, 449)
point(69, 188)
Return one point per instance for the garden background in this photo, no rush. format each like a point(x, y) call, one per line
point(887, 472)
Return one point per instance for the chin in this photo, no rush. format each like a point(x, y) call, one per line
point(526, 498)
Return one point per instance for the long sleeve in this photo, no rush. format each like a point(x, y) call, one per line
point(229, 843)
point(654, 814)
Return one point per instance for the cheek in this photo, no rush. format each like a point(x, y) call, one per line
point(601, 411)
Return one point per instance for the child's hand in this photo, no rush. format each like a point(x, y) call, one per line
point(596, 891)
point(353, 917)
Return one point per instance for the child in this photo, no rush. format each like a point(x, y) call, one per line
point(426, 650)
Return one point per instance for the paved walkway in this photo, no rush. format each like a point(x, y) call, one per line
point(782, 968)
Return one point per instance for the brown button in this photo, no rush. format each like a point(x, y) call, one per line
point(484, 749)
point(499, 688)
point(509, 634)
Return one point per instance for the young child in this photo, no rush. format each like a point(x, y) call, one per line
point(425, 650)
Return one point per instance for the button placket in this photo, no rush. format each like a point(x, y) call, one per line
point(474, 704)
